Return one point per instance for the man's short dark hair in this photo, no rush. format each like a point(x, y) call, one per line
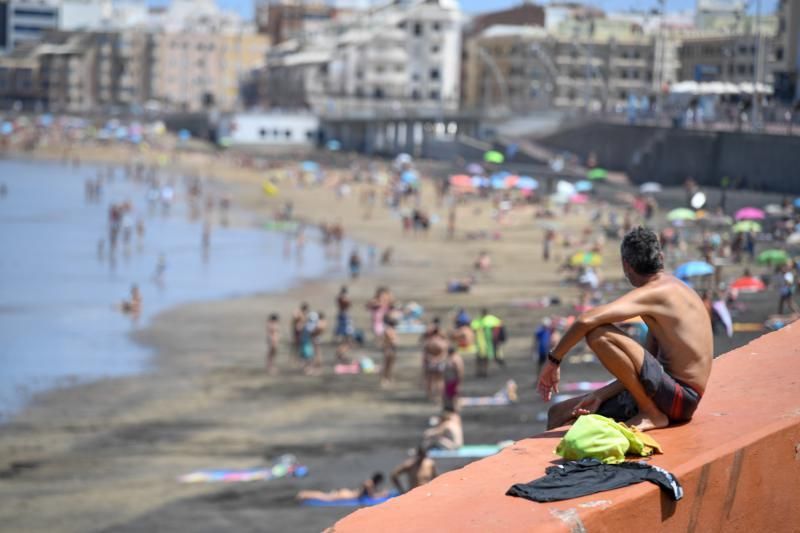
point(641, 250)
point(377, 478)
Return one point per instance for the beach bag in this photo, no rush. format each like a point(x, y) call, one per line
point(597, 437)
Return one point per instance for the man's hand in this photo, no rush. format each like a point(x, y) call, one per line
point(548, 380)
point(590, 404)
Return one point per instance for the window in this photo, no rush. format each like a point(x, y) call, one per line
point(434, 95)
point(624, 74)
point(417, 29)
point(415, 94)
point(434, 49)
point(436, 26)
point(434, 73)
point(288, 134)
point(636, 74)
point(378, 93)
point(262, 133)
point(34, 14)
point(740, 69)
point(623, 95)
point(310, 135)
point(359, 75)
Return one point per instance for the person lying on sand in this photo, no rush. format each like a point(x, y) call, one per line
point(368, 489)
point(448, 434)
point(418, 470)
point(658, 384)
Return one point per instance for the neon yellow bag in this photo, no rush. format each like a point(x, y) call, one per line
point(602, 438)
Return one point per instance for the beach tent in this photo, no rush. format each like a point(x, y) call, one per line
point(493, 156)
point(773, 257)
point(681, 213)
point(750, 213)
point(583, 186)
point(461, 181)
point(650, 187)
point(597, 174)
point(586, 259)
point(527, 183)
point(694, 269)
point(748, 284)
point(747, 226)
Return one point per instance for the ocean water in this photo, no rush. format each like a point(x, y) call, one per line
point(59, 321)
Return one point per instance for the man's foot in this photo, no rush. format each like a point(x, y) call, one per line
point(644, 422)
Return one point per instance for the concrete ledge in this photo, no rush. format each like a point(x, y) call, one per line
point(738, 461)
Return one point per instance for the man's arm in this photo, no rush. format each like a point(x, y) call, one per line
point(635, 303)
point(396, 473)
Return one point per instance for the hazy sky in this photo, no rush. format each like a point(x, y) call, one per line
point(245, 7)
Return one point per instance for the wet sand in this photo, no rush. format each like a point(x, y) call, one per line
point(105, 456)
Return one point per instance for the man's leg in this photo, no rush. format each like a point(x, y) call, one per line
point(623, 357)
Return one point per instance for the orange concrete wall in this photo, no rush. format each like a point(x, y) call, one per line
point(738, 461)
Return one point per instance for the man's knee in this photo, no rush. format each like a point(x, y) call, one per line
point(598, 337)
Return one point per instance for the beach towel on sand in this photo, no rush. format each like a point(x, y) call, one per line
point(366, 501)
point(285, 465)
point(469, 451)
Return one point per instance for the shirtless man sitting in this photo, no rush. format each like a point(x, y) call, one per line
point(418, 470)
point(658, 384)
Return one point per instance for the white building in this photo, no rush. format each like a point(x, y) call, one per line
point(24, 21)
point(270, 129)
point(396, 58)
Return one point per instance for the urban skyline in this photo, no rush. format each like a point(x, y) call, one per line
point(245, 7)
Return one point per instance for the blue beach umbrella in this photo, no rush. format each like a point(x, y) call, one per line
point(694, 269)
point(409, 177)
point(7, 128)
point(498, 180)
point(334, 145)
point(184, 135)
point(584, 186)
point(309, 166)
point(527, 183)
point(797, 203)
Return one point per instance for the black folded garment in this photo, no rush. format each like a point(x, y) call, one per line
point(589, 476)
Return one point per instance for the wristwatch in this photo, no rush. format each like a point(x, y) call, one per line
point(552, 359)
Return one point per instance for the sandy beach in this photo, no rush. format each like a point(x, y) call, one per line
point(106, 456)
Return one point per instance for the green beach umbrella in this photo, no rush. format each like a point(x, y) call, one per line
point(493, 156)
point(773, 257)
point(597, 174)
point(682, 213)
point(746, 226)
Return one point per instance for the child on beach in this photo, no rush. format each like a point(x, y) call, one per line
point(273, 337)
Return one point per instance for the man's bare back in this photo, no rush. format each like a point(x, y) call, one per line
point(680, 334)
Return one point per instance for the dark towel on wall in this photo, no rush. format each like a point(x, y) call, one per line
point(588, 476)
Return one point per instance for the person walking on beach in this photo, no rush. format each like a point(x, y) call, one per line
point(453, 374)
point(389, 347)
point(299, 318)
point(273, 338)
point(418, 470)
point(316, 334)
point(787, 288)
point(434, 353)
point(658, 384)
point(355, 264)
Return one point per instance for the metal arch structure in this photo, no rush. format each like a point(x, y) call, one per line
point(502, 85)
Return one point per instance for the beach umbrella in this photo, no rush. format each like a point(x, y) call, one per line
point(527, 183)
point(794, 238)
point(493, 156)
point(333, 145)
point(724, 315)
point(579, 199)
point(748, 284)
point(184, 135)
point(309, 166)
point(461, 180)
point(565, 188)
point(650, 187)
point(479, 181)
point(749, 213)
point(746, 226)
point(474, 168)
point(7, 128)
point(694, 269)
point(681, 213)
point(597, 174)
point(409, 177)
point(498, 181)
point(586, 259)
point(583, 186)
point(511, 181)
point(403, 159)
point(773, 257)
point(773, 210)
point(797, 203)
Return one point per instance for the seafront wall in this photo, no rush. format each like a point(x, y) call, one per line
point(738, 461)
point(669, 155)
